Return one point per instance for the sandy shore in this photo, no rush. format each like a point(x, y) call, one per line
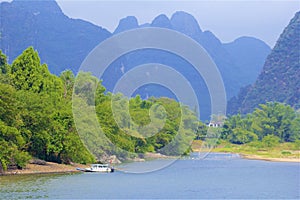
point(55, 168)
point(256, 157)
point(48, 168)
point(158, 156)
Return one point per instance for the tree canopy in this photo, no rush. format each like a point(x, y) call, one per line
point(273, 122)
point(36, 118)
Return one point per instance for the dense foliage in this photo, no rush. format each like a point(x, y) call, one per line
point(36, 118)
point(130, 126)
point(272, 123)
point(36, 114)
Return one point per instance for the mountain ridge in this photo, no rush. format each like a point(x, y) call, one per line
point(279, 79)
point(236, 74)
point(63, 43)
point(43, 25)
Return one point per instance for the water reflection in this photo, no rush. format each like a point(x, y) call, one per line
point(25, 186)
point(217, 176)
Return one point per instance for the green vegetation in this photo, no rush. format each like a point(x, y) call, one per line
point(36, 118)
point(272, 123)
point(258, 148)
point(274, 127)
point(270, 131)
point(131, 126)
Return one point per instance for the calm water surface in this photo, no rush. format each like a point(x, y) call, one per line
point(217, 176)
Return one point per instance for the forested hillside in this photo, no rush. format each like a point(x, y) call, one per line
point(36, 118)
point(279, 80)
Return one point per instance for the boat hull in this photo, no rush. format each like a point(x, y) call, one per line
point(98, 168)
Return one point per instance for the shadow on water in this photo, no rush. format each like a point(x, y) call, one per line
point(26, 186)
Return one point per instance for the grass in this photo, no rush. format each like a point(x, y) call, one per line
point(282, 150)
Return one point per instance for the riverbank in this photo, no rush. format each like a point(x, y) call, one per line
point(256, 157)
point(281, 153)
point(47, 168)
point(55, 168)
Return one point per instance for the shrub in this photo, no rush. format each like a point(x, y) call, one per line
point(297, 145)
point(240, 136)
point(270, 141)
point(286, 153)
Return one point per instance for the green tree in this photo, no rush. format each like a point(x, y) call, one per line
point(4, 66)
point(36, 118)
point(26, 71)
point(241, 136)
point(270, 141)
point(295, 129)
point(276, 119)
point(68, 79)
point(8, 104)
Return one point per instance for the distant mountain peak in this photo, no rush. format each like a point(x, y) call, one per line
point(279, 80)
point(36, 6)
point(161, 21)
point(43, 25)
point(185, 23)
point(209, 35)
point(127, 23)
point(63, 42)
point(246, 38)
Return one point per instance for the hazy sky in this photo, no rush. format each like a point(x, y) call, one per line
point(226, 19)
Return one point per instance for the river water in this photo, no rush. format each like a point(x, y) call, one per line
point(217, 176)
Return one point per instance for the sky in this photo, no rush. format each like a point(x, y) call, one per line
point(228, 20)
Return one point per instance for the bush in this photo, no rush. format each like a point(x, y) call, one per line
point(270, 141)
point(21, 159)
point(286, 153)
point(256, 144)
point(240, 136)
point(3, 166)
point(297, 145)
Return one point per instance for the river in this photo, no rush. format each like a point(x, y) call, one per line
point(218, 176)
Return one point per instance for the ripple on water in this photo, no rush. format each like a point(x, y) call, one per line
point(25, 186)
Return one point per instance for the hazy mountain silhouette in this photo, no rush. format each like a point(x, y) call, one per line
point(239, 62)
point(63, 43)
point(279, 80)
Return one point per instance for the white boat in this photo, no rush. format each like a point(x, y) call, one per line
point(98, 168)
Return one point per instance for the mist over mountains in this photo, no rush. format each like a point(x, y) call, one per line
point(239, 62)
point(63, 43)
